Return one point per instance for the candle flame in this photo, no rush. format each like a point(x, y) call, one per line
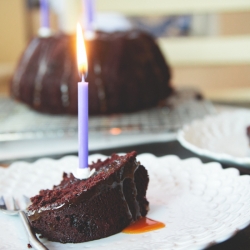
point(81, 51)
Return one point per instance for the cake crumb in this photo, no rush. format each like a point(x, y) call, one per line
point(29, 246)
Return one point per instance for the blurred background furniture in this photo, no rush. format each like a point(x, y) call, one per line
point(13, 38)
point(219, 63)
point(214, 56)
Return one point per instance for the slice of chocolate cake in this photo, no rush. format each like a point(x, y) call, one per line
point(103, 205)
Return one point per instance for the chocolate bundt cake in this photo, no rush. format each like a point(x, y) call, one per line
point(127, 72)
point(103, 205)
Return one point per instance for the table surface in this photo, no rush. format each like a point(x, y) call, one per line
point(241, 241)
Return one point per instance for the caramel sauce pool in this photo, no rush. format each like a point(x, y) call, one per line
point(143, 225)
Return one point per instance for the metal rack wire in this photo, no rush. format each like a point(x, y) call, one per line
point(18, 122)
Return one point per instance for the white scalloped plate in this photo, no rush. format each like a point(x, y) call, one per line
point(201, 204)
point(221, 137)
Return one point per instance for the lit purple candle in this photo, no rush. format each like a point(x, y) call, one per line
point(44, 7)
point(83, 169)
point(83, 123)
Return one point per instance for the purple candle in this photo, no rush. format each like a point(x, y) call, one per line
point(44, 7)
point(83, 123)
point(89, 14)
point(82, 171)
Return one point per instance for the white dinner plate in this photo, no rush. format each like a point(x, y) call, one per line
point(221, 137)
point(201, 204)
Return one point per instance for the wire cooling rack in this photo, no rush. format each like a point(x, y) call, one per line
point(18, 122)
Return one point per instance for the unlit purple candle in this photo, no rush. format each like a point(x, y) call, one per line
point(44, 7)
point(89, 14)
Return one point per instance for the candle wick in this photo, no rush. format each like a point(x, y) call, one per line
point(83, 79)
